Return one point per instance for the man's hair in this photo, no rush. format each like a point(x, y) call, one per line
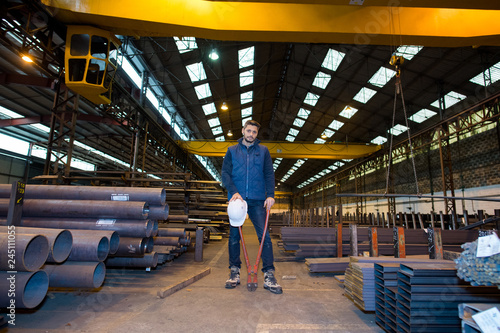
point(252, 123)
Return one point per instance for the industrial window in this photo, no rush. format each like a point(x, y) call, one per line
point(246, 78)
point(364, 95)
point(293, 132)
point(185, 44)
point(213, 122)
point(398, 129)
point(303, 113)
point(209, 109)
point(382, 76)
point(450, 99)
point(290, 138)
point(489, 76)
point(298, 122)
point(247, 112)
point(203, 91)
point(348, 112)
point(311, 99)
point(408, 51)
point(243, 121)
point(422, 115)
point(246, 97)
point(336, 125)
point(329, 132)
point(217, 130)
point(246, 57)
point(321, 80)
point(220, 138)
point(379, 140)
point(332, 59)
point(196, 72)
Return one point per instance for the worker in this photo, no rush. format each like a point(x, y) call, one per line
point(248, 174)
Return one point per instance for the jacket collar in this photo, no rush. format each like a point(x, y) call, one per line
point(256, 142)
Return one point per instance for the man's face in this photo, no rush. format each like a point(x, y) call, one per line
point(250, 133)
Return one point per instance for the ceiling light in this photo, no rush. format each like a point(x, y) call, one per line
point(213, 55)
point(26, 56)
point(229, 133)
point(224, 106)
point(324, 136)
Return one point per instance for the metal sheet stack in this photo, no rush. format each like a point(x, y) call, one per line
point(426, 298)
point(359, 285)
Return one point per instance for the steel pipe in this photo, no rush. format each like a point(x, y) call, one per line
point(22, 252)
point(153, 196)
point(158, 212)
point(60, 241)
point(76, 274)
point(131, 246)
point(148, 260)
point(89, 247)
point(182, 218)
point(124, 228)
point(30, 289)
point(112, 236)
point(149, 244)
point(80, 208)
point(174, 241)
point(172, 232)
point(185, 241)
point(154, 231)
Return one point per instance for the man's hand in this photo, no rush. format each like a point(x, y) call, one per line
point(236, 196)
point(269, 203)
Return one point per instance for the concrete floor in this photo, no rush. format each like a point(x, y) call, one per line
point(128, 301)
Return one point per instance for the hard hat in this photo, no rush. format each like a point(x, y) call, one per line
point(237, 212)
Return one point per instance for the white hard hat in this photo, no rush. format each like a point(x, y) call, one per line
point(237, 212)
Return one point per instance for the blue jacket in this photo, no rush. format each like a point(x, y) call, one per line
point(248, 171)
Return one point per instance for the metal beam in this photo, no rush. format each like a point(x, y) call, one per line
point(442, 23)
point(292, 150)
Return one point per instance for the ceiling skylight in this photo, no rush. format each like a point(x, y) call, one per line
point(196, 72)
point(322, 80)
point(333, 59)
point(422, 115)
point(298, 122)
point(398, 129)
point(311, 99)
point(203, 91)
point(208, 109)
point(220, 138)
point(246, 78)
point(450, 99)
point(290, 138)
point(382, 76)
point(379, 140)
point(336, 125)
point(348, 112)
point(186, 44)
point(328, 132)
point(319, 141)
point(246, 97)
point(293, 132)
point(247, 112)
point(489, 76)
point(364, 95)
point(244, 120)
point(246, 57)
point(303, 113)
point(213, 122)
point(408, 51)
point(217, 130)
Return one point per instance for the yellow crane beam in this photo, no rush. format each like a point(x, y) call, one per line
point(291, 150)
point(448, 23)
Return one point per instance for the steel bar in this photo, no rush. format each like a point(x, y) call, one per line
point(480, 223)
point(80, 208)
point(30, 289)
point(29, 251)
point(435, 243)
point(149, 260)
point(125, 228)
point(60, 241)
point(174, 241)
point(153, 196)
point(339, 234)
point(419, 196)
point(373, 239)
point(17, 192)
point(112, 236)
point(158, 212)
point(76, 274)
point(89, 247)
point(131, 246)
point(353, 239)
point(399, 243)
point(198, 252)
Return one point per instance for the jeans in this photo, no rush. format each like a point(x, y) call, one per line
point(257, 214)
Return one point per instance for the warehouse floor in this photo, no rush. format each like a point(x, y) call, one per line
point(128, 301)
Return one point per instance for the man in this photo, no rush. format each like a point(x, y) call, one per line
point(248, 174)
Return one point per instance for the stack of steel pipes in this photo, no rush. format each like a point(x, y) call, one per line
point(126, 216)
point(22, 283)
point(171, 242)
